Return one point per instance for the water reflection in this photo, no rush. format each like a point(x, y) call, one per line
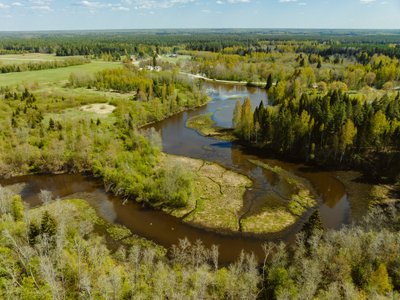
point(179, 140)
point(340, 208)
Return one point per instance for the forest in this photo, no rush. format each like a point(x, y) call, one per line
point(327, 129)
point(93, 103)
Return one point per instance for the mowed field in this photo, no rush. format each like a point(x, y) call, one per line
point(52, 76)
point(30, 57)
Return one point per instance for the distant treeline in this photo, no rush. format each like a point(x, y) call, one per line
point(148, 42)
point(42, 65)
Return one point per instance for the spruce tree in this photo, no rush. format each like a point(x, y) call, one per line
point(48, 224)
point(269, 82)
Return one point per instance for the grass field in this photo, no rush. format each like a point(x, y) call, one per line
point(30, 57)
point(50, 85)
point(76, 114)
point(53, 76)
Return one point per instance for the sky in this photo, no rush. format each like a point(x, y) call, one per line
point(29, 15)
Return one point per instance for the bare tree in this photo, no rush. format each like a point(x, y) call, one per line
point(45, 196)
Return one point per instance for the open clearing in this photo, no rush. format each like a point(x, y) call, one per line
point(53, 76)
point(31, 57)
point(77, 114)
point(98, 108)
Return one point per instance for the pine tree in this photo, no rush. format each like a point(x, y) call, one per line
point(154, 60)
point(33, 233)
point(52, 124)
point(313, 223)
point(48, 224)
point(269, 82)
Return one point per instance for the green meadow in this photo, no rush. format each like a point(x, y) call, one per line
point(53, 76)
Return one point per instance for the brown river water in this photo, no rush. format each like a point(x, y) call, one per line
point(179, 140)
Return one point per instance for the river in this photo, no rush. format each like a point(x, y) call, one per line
point(180, 140)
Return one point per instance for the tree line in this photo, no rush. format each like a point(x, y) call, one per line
point(146, 42)
point(299, 71)
point(334, 128)
point(43, 65)
point(163, 93)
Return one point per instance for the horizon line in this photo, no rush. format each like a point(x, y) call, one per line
point(204, 28)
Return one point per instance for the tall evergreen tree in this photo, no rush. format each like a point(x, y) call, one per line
point(269, 82)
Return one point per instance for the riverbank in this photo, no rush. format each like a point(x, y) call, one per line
point(71, 210)
point(364, 196)
point(186, 109)
point(205, 126)
point(246, 83)
point(290, 197)
point(217, 195)
point(287, 201)
point(217, 202)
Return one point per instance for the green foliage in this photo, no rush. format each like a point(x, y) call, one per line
point(349, 132)
point(269, 84)
point(84, 265)
point(243, 120)
point(47, 228)
point(45, 65)
point(111, 148)
point(394, 274)
point(355, 262)
point(314, 114)
point(48, 224)
point(237, 117)
point(279, 285)
point(333, 128)
point(172, 186)
point(33, 233)
point(312, 225)
point(18, 209)
point(380, 280)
